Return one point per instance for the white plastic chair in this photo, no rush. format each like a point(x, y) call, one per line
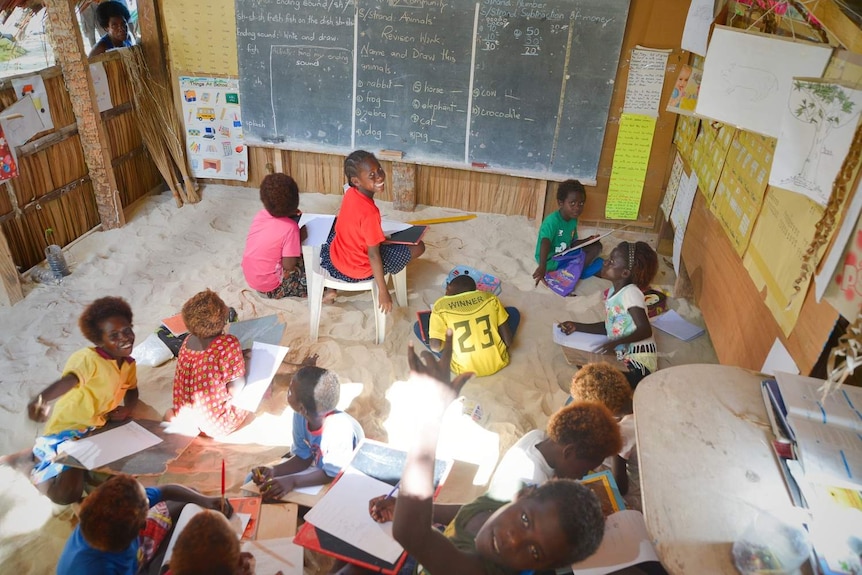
point(317, 278)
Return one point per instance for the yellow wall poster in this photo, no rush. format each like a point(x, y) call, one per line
point(202, 36)
point(631, 157)
point(707, 158)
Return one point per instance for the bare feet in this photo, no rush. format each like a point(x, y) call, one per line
point(329, 295)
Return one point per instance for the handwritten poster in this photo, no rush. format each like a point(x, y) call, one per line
point(213, 126)
point(747, 77)
point(685, 135)
point(781, 235)
point(673, 182)
point(645, 81)
point(202, 35)
point(680, 215)
point(739, 194)
point(34, 87)
point(817, 127)
point(634, 143)
point(709, 153)
point(697, 23)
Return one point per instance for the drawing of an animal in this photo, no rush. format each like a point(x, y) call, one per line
point(754, 84)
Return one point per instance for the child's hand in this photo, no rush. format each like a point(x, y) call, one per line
point(261, 474)
point(37, 410)
point(311, 360)
point(436, 369)
point(247, 563)
point(607, 348)
point(214, 504)
point(568, 327)
point(382, 508)
point(275, 488)
point(539, 274)
point(119, 413)
point(384, 300)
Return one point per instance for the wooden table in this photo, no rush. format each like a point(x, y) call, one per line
point(706, 463)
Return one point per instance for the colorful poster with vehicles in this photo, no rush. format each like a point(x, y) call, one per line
point(213, 128)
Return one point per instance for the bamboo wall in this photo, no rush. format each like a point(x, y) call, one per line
point(53, 189)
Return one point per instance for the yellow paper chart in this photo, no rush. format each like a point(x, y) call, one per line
point(708, 155)
point(202, 36)
point(685, 135)
point(631, 157)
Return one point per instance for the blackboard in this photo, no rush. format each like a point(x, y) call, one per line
point(516, 86)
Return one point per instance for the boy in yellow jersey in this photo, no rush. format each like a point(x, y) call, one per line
point(482, 328)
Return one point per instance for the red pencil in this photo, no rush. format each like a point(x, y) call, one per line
point(222, 485)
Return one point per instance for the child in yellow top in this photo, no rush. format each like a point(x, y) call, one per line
point(98, 384)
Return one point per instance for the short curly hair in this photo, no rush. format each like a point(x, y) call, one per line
point(97, 312)
point(317, 389)
point(589, 427)
point(603, 383)
point(207, 545)
point(107, 10)
point(579, 513)
point(280, 195)
point(205, 314)
point(114, 513)
point(570, 187)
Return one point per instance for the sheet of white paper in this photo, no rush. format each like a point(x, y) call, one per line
point(684, 199)
point(189, 511)
point(678, 237)
point(35, 87)
point(101, 86)
point(264, 362)
point(747, 77)
point(673, 185)
point(20, 122)
point(817, 127)
point(645, 81)
point(779, 359)
point(343, 512)
point(697, 24)
point(103, 448)
point(244, 518)
point(317, 227)
point(677, 326)
point(274, 555)
point(578, 339)
point(626, 542)
point(830, 455)
point(391, 226)
point(833, 258)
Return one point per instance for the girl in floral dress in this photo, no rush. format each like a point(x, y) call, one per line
point(210, 369)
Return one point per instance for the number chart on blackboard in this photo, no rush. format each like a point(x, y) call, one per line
point(516, 86)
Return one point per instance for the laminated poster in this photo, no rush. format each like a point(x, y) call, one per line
point(214, 129)
point(631, 157)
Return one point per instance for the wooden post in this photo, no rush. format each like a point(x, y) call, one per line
point(404, 186)
point(151, 40)
point(10, 281)
point(65, 36)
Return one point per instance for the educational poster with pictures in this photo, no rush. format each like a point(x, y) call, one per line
point(739, 194)
point(34, 86)
point(213, 125)
point(709, 153)
point(816, 131)
point(683, 98)
point(747, 77)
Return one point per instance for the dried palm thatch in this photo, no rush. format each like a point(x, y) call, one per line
point(160, 128)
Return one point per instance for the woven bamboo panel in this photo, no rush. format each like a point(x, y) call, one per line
point(5, 198)
point(477, 192)
point(58, 97)
point(117, 81)
point(123, 134)
point(136, 177)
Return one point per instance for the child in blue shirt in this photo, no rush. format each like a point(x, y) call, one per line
point(122, 525)
point(559, 231)
point(323, 437)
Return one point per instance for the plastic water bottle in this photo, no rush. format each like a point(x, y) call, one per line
point(57, 261)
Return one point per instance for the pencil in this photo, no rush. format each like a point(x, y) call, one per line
point(394, 489)
point(222, 485)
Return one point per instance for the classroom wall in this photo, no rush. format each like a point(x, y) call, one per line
point(651, 23)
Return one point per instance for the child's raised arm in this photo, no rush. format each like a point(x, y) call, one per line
point(412, 524)
point(38, 408)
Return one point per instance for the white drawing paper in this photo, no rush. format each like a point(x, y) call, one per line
point(264, 362)
point(676, 325)
point(645, 81)
point(578, 339)
point(317, 228)
point(101, 87)
point(20, 122)
point(747, 77)
point(779, 359)
point(816, 131)
point(34, 86)
point(343, 512)
point(275, 555)
point(680, 213)
point(673, 184)
point(626, 542)
point(103, 448)
point(697, 23)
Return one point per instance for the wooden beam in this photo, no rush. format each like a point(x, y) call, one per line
point(65, 36)
point(152, 42)
point(404, 186)
point(10, 281)
point(837, 23)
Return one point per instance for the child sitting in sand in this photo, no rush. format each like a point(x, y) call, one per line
point(630, 346)
point(577, 439)
point(98, 384)
point(323, 437)
point(559, 231)
point(483, 328)
point(358, 250)
point(208, 544)
point(122, 524)
point(605, 384)
point(210, 369)
point(272, 261)
point(545, 528)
